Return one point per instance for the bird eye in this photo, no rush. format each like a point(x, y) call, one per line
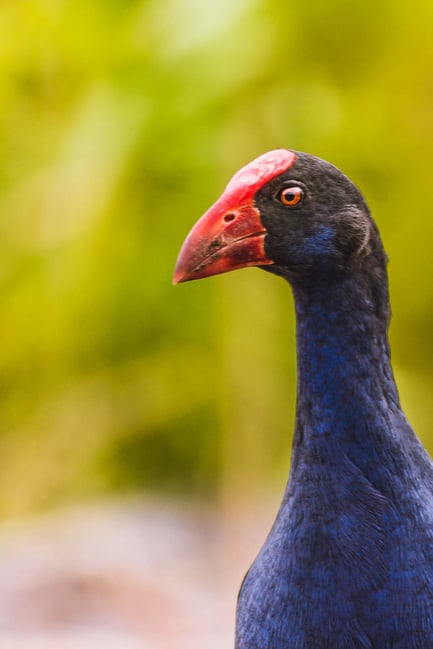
point(290, 196)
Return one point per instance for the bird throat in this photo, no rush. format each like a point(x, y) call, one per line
point(346, 389)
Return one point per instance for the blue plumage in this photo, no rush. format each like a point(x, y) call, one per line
point(349, 560)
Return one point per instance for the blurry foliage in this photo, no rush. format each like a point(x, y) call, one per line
point(120, 122)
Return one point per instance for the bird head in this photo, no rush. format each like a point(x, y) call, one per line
point(287, 212)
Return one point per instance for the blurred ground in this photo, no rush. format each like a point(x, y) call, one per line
point(148, 575)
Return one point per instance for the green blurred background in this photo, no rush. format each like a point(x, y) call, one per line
point(121, 122)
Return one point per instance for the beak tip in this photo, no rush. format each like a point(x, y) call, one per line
point(179, 275)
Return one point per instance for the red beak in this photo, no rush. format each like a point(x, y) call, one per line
point(228, 236)
point(231, 235)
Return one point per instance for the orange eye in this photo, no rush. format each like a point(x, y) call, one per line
point(290, 196)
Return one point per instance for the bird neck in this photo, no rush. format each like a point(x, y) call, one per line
point(345, 381)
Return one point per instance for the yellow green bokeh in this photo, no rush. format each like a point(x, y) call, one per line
point(120, 123)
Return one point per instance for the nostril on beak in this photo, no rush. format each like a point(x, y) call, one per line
point(229, 217)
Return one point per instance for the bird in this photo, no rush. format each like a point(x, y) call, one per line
point(348, 562)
